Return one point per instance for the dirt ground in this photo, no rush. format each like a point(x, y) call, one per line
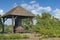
point(33, 37)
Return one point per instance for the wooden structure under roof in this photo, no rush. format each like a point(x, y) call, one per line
point(17, 14)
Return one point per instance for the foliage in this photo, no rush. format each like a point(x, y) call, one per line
point(46, 15)
point(1, 23)
point(8, 28)
point(47, 25)
point(26, 25)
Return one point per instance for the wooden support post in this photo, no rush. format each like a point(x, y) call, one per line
point(3, 26)
point(31, 23)
point(13, 24)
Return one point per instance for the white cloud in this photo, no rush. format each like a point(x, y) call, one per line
point(24, 5)
point(33, 2)
point(1, 12)
point(15, 4)
point(27, 6)
point(8, 22)
point(57, 13)
point(34, 11)
point(47, 8)
point(35, 7)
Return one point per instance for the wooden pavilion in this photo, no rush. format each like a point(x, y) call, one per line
point(17, 14)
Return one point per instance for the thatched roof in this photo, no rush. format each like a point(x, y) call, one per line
point(18, 11)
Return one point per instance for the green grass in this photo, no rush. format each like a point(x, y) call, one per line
point(13, 36)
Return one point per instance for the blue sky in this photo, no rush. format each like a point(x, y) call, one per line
point(35, 6)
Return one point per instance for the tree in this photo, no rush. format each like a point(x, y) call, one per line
point(46, 15)
point(1, 23)
point(47, 26)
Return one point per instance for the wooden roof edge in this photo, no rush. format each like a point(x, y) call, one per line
point(8, 11)
point(14, 8)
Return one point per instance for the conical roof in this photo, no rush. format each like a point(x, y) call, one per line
point(18, 11)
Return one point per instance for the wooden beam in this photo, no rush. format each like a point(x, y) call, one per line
point(31, 23)
point(13, 24)
point(3, 26)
